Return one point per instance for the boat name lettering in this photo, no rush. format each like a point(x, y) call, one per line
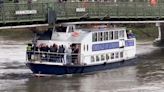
point(105, 46)
point(129, 43)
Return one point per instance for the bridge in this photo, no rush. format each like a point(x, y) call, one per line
point(21, 13)
point(13, 15)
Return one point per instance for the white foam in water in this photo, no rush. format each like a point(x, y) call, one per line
point(142, 89)
point(146, 48)
point(12, 58)
point(14, 71)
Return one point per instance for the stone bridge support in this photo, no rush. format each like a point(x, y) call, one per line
point(160, 40)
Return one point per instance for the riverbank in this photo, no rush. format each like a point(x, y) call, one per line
point(15, 36)
point(143, 33)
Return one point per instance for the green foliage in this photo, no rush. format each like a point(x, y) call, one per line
point(146, 32)
point(17, 34)
point(142, 32)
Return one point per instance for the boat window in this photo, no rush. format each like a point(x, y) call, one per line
point(107, 56)
point(100, 36)
point(121, 34)
point(94, 37)
point(87, 47)
point(117, 55)
point(115, 34)
point(102, 57)
point(121, 54)
point(106, 36)
point(110, 35)
point(92, 59)
point(112, 55)
point(97, 58)
point(84, 47)
point(61, 29)
point(70, 29)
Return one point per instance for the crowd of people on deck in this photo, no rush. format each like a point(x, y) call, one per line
point(57, 52)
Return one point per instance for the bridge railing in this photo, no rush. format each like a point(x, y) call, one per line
point(12, 12)
point(115, 10)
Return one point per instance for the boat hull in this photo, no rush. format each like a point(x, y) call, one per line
point(45, 69)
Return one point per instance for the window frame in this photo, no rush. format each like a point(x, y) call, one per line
point(110, 37)
point(102, 57)
point(97, 58)
point(92, 58)
point(112, 56)
point(94, 37)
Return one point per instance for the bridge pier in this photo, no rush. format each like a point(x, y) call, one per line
point(160, 40)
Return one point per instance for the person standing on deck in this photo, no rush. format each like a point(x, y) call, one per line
point(76, 52)
point(68, 56)
point(53, 50)
point(61, 52)
point(28, 50)
point(130, 34)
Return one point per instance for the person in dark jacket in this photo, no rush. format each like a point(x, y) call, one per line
point(61, 52)
point(53, 54)
point(54, 48)
point(130, 34)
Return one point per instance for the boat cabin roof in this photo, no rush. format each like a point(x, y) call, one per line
point(85, 26)
point(85, 22)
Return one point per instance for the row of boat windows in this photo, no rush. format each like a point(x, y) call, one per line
point(107, 35)
point(106, 57)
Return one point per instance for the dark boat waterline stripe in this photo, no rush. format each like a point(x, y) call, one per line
point(60, 70)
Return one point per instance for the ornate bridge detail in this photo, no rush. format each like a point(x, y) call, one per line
point(38, 12)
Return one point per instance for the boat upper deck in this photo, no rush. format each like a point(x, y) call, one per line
point(88, 26)
point(77, 31)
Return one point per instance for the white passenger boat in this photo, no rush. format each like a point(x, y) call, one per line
point(81, 47)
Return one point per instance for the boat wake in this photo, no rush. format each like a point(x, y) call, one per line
point(12, 62)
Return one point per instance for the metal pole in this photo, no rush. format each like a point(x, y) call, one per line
point(159, 31)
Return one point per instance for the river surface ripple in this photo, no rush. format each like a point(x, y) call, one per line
point(146, 76)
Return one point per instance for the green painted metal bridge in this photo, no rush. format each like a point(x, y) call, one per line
point(38, 12)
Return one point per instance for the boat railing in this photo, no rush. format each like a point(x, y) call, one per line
point(53, 57)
